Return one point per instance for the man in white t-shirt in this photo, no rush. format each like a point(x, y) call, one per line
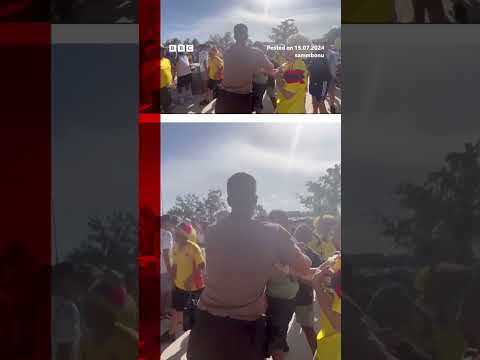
point(184, 77)
point(65, 315)
point(203, 60)
point(166, 243)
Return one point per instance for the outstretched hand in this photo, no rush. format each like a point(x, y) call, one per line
point(308, 276)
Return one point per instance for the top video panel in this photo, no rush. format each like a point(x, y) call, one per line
point(244, 57)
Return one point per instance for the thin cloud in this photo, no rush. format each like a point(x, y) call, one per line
point(209, 166)
point(312, 22)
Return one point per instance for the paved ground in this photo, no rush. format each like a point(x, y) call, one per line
point(299, 349)
point(193, 106)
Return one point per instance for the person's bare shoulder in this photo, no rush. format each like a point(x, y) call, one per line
point(257, 53)
point(273, 230)
point(267, 225)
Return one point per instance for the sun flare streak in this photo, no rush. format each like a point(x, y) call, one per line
point(266, 7)
point(293, 145)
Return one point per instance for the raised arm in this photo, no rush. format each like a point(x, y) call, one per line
point(264, 64)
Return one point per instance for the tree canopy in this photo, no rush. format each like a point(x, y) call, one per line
point(260, 211)
point(324, 195)
point(332, 35)
point(299, 39)
point(192, 206)
point(222, 42)
point(281, 33)
point(443, 213)
point(112, 243)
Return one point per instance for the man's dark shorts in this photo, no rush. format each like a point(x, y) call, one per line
point(231, 103)
point(319, 90)
point(184, 82)
point(213, 84)
point(279, 315)
point(181, 297)
point(218, 338)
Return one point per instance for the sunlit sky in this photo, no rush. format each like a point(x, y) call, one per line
point(282, 157)
point(200, 19)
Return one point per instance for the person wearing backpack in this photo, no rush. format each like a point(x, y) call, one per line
point(320, 78)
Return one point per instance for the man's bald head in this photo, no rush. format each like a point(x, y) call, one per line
point(242, 193)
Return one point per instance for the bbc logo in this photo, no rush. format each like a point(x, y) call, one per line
point(180, 48)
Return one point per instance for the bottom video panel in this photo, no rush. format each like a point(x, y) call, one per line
point(250, 236)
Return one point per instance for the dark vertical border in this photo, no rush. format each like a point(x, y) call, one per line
point(149, 35)
point(149, 203)
point(149, 190)
point(25, 153)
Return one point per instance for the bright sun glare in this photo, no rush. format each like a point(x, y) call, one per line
point(266, 7)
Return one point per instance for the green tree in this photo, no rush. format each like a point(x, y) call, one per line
point(174, 41)
point(333, 34)
point(299, 39)
point(324, 195)
point(284, 31)
point(216, 40)
point(112, 243)
point(195, 43)
point(221, 42)
point(260, 211)
point(227, 39)
point(442, 218)
point(187, 206)
point(192, 206)
point(213, 203)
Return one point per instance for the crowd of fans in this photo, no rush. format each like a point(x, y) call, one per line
point(246, 278)
point(95, 314)
point(239, 76)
